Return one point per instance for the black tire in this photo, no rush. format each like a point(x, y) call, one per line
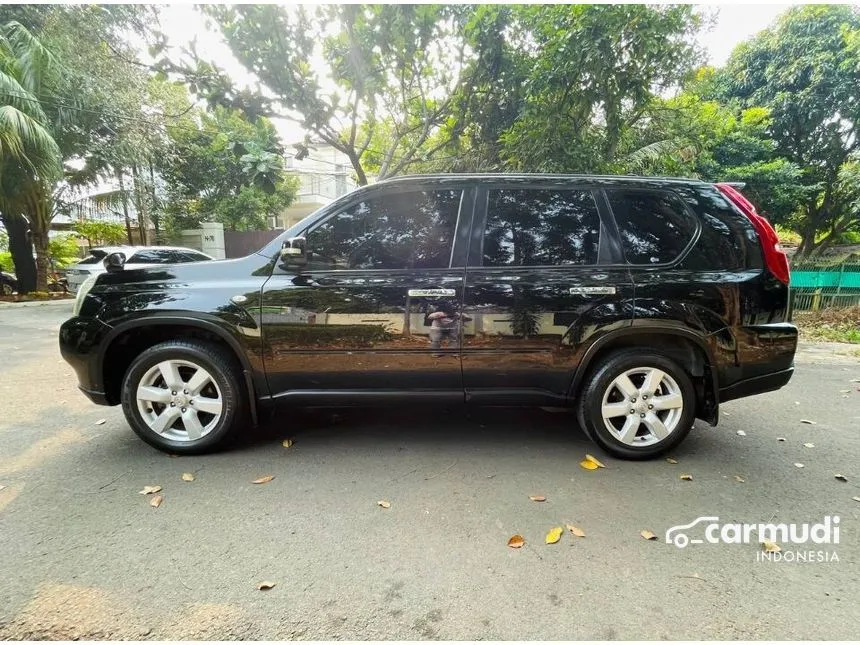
point(8, 288)
point(220, 365)
point(597, 382)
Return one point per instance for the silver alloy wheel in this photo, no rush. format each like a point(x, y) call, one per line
point(642, 406)
point(179, 400)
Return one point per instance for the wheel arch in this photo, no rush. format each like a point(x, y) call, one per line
point(127, 340)
point(682, 345)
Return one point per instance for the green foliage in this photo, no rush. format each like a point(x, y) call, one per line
point(99, 233)
point(231, 171)
point(63, 250)
point(806, 71)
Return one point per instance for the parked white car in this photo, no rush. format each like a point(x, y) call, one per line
point(136, 257)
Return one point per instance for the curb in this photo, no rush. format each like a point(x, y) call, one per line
point(36, 303)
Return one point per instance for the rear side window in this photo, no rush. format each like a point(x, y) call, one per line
point(153, 256)
point(93, 259)
point(541, 227)
point(190, 256)
point(655, 228)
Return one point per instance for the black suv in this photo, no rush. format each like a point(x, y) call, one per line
point(643, 303)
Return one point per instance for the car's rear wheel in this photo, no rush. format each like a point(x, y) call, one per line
point(183, 396)
point(637, 404)
point(6, 289)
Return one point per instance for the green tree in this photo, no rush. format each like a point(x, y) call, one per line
point(394, 68)
point(97, 232)
point(230, 170)
point(806, 71)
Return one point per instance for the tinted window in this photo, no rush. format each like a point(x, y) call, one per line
point(395, 231)
point(540, 227)
point(654, 226)
point(190, 256)
point(92, 259)
point(153, 256)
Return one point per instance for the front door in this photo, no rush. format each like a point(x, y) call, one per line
point(377, 308)
point(543, 277)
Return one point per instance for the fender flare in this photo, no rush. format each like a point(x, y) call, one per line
point(187, 321)
point(663, 329)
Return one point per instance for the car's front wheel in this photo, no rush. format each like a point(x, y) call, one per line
point(637, 405)
point(183, 396)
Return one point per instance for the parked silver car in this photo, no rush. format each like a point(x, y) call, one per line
point(136, 257)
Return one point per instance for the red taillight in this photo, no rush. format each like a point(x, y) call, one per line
point(774, 257)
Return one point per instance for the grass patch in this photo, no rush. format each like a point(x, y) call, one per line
point(834, 325)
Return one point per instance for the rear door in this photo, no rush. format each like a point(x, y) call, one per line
point(358, 316)
point(544, 278)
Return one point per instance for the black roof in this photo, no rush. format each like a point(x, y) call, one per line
point(541, 177)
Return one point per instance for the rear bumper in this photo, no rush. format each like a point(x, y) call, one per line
point(756, 385)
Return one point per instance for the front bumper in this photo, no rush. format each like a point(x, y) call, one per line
point(80, 344)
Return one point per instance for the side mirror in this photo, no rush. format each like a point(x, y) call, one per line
point(114, 262)
point(294, 253)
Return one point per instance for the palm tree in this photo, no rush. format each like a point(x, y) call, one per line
point(30, 159)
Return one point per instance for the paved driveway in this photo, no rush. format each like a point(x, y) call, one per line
point(85, 556)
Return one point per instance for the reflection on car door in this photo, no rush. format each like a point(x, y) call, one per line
point(543, 275)
point(378, 305)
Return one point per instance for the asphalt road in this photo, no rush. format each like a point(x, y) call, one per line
point(83, 555)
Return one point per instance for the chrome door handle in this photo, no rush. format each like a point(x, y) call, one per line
point(592, 290)
point(431, 293)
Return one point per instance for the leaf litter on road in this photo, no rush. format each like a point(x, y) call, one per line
point(591, 463)
point(100, 422)
point(780, 438)
point(383, 504)
point(739, 479)
point(266, 585)
point(554, 535)
point(155, 502)
point(188, 477)
point(537, 498)
point(797, 464)
point(770, 547)
point(149, 490)
point(856, 498)
point(741, 433)
point(286, 443)
point(809, 422)
point(263, 480)
point(516, 541)
point(840, 477)
point(648, 535)
point(809, 445)
point(578, 532)
point(671, 460)
point(686, 478)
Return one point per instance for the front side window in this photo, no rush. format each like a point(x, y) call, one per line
point(541, 227)
point(410, 230)
point(654, 226)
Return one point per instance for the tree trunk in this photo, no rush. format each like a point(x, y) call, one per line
point(22, 252)
point(156, 218)
point(122, 192)
point(361, 177)
point(140, 205)
point(39, 213)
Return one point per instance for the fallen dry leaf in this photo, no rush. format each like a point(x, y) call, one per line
point(383, 504)
point(739, 479)
point(578, 532)
point(687, 478)
point(856, 498)
point(741, 433)
point(537, 498)
point(840, 477)
point(807, 421)
point(516, 541)
point(265, 585)
point(100, 422)
point(148, 490)
point(648, 535)
point(286, 443)
point(809, 445)
point(188, 477)
point(594, 460)
point(844, 391)
point(263, 480)
point(798, 465)
point(671, 460)
point(554, 535)
point(155, 502)
point(770, 547)
point(780, 438)
point(588, 465)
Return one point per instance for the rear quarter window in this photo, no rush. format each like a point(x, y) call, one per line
point(728, 239)
point(654, 226)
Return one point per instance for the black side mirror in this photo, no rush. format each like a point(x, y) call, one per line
point(114, 262)
point(294, 252)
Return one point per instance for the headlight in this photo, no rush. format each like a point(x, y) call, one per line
point(83, 290)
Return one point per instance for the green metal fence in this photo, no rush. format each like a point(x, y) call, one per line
point(820, 286)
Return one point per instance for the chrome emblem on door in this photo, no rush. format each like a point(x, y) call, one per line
point(431, 293)
point(592, 290)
